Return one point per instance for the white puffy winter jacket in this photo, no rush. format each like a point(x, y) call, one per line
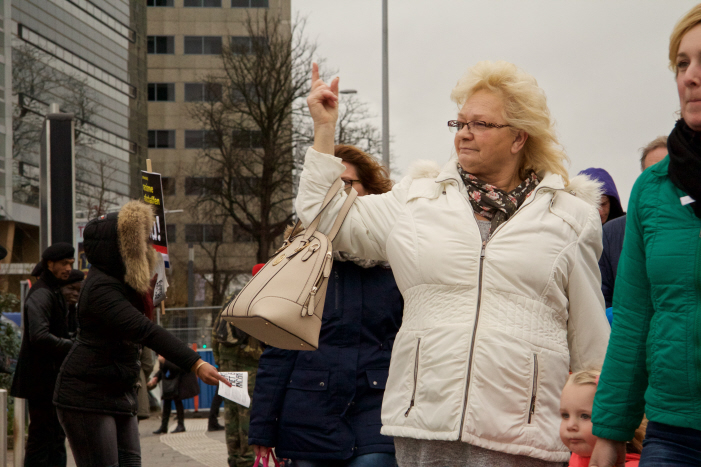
point(489, 330)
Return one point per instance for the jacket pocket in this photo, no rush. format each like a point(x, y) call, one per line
point(377, 379)
point(309, 380)
point(416, 378)
point(534, 390)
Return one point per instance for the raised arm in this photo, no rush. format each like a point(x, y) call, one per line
point(365, 230)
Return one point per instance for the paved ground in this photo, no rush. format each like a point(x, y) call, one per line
point(194, 448)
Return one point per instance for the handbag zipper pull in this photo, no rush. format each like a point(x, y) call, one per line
point(329, 263)
point(310, 307)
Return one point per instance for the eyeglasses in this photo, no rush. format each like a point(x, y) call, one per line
point(349, 183)
point(473, 127)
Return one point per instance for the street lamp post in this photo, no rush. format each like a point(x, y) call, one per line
point(385, 89)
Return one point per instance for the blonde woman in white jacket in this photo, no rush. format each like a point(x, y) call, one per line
point(496, 257)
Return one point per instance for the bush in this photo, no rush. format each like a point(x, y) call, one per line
point(10, 341)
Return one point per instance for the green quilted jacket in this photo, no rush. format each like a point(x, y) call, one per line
point(653, 361)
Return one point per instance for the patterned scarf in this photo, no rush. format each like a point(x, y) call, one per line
point(494, 204)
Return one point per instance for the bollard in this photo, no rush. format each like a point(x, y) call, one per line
point(3, 427)
point(19, 432)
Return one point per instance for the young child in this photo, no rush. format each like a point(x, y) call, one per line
point(576, 403)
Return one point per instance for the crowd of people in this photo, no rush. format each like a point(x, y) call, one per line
point(465, 321)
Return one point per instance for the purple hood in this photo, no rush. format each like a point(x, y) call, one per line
point(609, 187)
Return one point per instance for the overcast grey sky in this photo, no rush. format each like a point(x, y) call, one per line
point(602, 64)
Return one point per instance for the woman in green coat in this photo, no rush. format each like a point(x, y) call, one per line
point(653, 361)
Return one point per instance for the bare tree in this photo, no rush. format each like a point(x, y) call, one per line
point(94, 177)
point(250, 135)
point(36, 83)
point(355, 126)
point(257, 127)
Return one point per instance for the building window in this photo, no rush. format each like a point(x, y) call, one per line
point(202, 186)
point(159, 2)
point(202, 92)
point(199, 139)
point(161, 139)
point(198, 233)
point(161, 45)
point(161, 92)
point(245, 185)
point(243, 45)
point(248, 139)
point(171, 233)
point(168, 184)
point(249, 3)
point(203, 45)
point(242, 236)
point(203, 3)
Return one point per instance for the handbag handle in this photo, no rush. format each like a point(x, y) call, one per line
point(266, 459)
point(342, 213)
point(327, 199)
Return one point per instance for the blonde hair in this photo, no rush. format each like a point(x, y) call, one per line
point(525, 108)
point(688, 21)
point(583, 377)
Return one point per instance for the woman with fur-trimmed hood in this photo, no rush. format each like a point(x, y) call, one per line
point(496, 257)
point(96, 390)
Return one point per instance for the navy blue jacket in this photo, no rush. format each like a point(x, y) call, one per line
point(614, 232)
point(326, 404)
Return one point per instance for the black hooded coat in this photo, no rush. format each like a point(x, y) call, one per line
point(101, 371)
point(45, 342)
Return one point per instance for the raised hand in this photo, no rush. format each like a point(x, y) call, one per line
point(323, 99)
point(323, 107)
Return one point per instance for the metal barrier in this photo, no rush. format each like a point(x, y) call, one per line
point(3, 427)
point(20, 410)
point(192, 325)
point(18, 448)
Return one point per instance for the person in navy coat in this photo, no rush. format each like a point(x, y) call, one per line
point(322, 408)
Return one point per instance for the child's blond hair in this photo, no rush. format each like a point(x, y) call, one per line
point(580, 378)
point(583, 377)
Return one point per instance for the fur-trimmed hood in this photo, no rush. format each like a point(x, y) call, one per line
point(581, 186)
point(117, 244)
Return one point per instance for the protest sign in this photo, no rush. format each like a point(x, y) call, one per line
point(153, 195)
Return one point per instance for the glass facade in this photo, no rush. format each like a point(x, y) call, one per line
point(75, 53)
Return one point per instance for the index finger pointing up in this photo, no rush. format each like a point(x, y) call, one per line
point(315, 73)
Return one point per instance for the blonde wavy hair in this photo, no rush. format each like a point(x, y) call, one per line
point(688, 21)
point(525, 108)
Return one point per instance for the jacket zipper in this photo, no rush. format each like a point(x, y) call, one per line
point(534, 390)
point(479, 302)
point(698, 301)
point(416, 376)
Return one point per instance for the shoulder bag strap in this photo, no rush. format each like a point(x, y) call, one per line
point(342, 213)
point(352, 194)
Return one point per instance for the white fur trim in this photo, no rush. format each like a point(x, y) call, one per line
point(586, 189)
point(424, 169)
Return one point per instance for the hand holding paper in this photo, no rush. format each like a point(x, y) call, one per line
point(238, 392)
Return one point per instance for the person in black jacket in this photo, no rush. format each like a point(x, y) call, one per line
point(177, 386)
point(322, 408)
point(96, 389)
point(45, 343)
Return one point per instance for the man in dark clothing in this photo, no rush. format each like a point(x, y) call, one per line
point(45, 344)
point(614, 231)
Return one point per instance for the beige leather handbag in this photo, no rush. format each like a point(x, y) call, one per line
point(282, 304)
